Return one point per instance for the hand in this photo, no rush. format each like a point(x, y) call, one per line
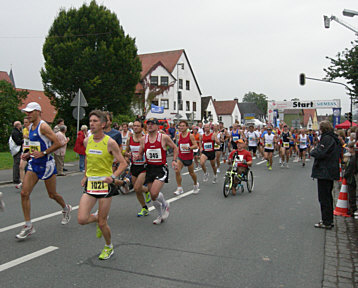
point(174, 165)
point(25, 156)
point(244, 161)
point(83, 181)
point(37, 154)
point(108, 180)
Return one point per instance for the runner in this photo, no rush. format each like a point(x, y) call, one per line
point(98, 180)
point(125, 133)
point(154, 145)
point(235, 135)
point(138, 168)
point(196, 151)
point(41, 166)
point(269, 144)
point(253, 139)
point(218, 146)
point(302, 141)
point(224, 144)
point(207, 152)
point(285, 145)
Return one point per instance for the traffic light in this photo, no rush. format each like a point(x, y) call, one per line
point(302, 79)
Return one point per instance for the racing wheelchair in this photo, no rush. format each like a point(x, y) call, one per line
point(233, 177)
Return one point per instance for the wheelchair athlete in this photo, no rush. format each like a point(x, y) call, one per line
point(243, 159)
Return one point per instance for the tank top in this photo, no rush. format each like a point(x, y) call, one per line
point(269, 141)
point(217, 146)
point(252, 136)
point(99, 160)
point(134, 147)
point(208, 143)
point(124, 140)
point(285, 139)
point(154, 152)
point(303, 141)
point(39, 142)
point(184, 143)
point(236, 135)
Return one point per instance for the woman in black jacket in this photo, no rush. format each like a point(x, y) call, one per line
point(326, 169)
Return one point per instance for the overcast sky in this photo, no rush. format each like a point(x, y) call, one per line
point(234, 46)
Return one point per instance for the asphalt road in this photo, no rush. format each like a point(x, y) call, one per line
point(260, 239)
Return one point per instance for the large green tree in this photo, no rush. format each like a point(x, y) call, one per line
point(259, 99)
point(10, 100)
point(345, 65)
point(87, 48)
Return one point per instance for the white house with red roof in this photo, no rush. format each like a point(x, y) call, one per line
point(228, 111)
point(168, 81)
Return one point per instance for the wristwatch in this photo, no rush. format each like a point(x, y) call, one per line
point(113, 178)
point(45, 153)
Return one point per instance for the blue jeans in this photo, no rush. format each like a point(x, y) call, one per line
point(82, 162)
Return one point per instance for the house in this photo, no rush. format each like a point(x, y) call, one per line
point(310, 119)
point(249, 110)
point(208, 111)
point(48, 111)
point(169, 83)
point(228, 111)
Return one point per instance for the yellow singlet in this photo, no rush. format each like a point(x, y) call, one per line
point(25, 132)
point(99, 160)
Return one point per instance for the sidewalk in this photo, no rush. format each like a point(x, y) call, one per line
point(341, 252)
point(6, 175)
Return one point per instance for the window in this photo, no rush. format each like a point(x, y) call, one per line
point(220, 118)
point(187, 82)
point(180, 101)
point(175, 106)
point(194, 106)
point(155, 102)
point(187, 105)
point(164, 80)
point(164, 103)
point(154, 80)
point(180, 83)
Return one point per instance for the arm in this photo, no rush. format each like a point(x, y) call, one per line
point(141, 149)
point(114, 150)
point(323, 149)
point(47, 131)
point(166, 141)
point(83, 181)
point(192, 139)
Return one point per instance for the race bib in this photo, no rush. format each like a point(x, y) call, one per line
point(303, 143)
point(34, 146)
point(268, 145)
point(185, 148)
point(235, 138)
point(252, 139)
point(286, 144)
point(208, 146)
point(95, 185)
point(154, 154)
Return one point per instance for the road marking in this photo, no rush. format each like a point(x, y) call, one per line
point(259, 163)
point(151, 208)
point(34, 220)
point(27, 257)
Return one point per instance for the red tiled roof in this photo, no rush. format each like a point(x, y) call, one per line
point(306, 115)
point(5, 76)
point(225, 107)
point(168, 58)
point(48, 111)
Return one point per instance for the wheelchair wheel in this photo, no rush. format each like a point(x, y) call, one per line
point(250, 181)
point(227, 186)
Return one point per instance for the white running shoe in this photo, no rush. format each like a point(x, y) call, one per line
point(179, 191)
point(18, 186)
point(66, 215)
point(214, 179)
point(196, 188)
point(158, 220)
point(253, 158)
point(165, 214)
point(25, 232)
point(282, 165)
point(218, 170)
point(206, 177)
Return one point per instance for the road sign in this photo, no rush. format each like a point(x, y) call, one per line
point(79, 100)
point(78, 116)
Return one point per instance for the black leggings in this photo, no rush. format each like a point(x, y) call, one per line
point(325, 200)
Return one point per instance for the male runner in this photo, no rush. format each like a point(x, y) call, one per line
point(217, 147)
point(269, 144)
point(302, 142)
point(207, 151)
point(196, 151)
point(138, 167)
point(154, 145)
point(253, 138)
point(235, 135)
point(186, 145)
point(285, 145)
point(125, 133)
point(101, 149)
point(42, 166)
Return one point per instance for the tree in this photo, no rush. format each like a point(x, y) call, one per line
point(10, 100)
point(345, 66)
point(88, 49)
point(259, 99)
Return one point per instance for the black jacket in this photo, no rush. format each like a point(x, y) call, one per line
point(350, 170)
point(327, 153)
point(17, 136)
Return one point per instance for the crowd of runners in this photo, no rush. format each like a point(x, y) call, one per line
point(139, 151)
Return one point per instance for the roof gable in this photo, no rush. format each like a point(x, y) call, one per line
point(5, 76)
point(307, 113)
point(225, 107)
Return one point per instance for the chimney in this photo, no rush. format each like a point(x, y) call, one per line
point(236, 99)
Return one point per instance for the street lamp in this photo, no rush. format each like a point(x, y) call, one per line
point(327, 21)
point(350, 13)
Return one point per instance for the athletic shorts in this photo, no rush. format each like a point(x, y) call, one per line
point(45, 171)
point(269, 150)
point(197, 153)
point(156, 172)
point(234, 145)
point(292, 145)
point(137, 169)
point(112, 191)
point(286, 148)
point(303, 149)
point(186, 162)
point(210, 154)
point(253, 148)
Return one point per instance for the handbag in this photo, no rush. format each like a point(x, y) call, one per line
point(14, 149)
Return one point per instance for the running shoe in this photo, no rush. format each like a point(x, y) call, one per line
point(287, 165)
point(158, 220)
point(253, 158)
point(25, 232)
point(282, 165)
point(206, 177)
point(148, 199)
point(98, 231)
point(66, 215)
point(165, 214)
point(2, 203)
point(107, 252)
point(270, 168)
point(303, 164)
point(214, 179)
point(18, 186)
point(218, 170)
point(143, 212)
point(196, 189)
point(179, 191)
point(267, 164)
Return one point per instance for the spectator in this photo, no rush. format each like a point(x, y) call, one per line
point(59, 123)
point(326, 169)
point(61, 152)
point(23, 162)
point(80, 149)
point(17, 138)
point(349, 175)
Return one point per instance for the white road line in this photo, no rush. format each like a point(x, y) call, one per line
point(259, 163)
point(27, 257)
point(34, 220)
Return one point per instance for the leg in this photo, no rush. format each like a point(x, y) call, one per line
point(16, 168)
point(104, 205)
point(87, 202)
point(326, 200)
point(138, 187)
point(51, 190)
point(218, 158)
point(203, 159)
point(178, 173)
point(212, 162)
point(192, 173)
point(23, 164)
point(30, 181)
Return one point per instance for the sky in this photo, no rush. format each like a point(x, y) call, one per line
point(234, 46)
